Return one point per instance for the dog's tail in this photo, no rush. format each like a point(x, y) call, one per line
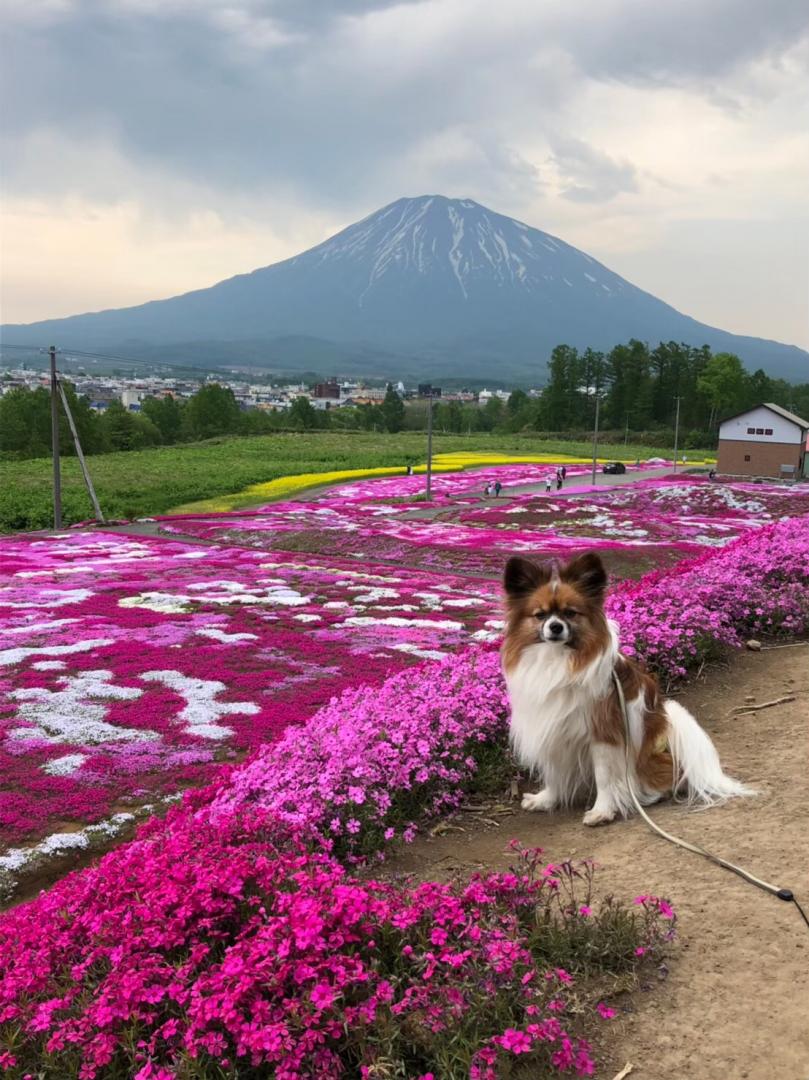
point(696, 761)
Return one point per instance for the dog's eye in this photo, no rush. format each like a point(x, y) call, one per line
point(540, 614)
point(570, 613)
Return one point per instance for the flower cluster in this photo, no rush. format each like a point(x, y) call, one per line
point(756, 586)
point(211, 948)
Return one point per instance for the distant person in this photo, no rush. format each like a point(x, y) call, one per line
point(712, 474)
point(559, 481)
point(548, 483)
point(498, 487)
point(487, 491)
point(564, 473)
point(409, 470)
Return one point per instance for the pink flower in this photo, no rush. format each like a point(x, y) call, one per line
point(516, 1042)
point(605, 1012)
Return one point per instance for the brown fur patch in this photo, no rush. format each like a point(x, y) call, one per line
point(653, 764)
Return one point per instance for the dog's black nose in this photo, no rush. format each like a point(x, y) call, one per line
point(555, 628)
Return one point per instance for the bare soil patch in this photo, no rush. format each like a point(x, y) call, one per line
point(736, 1003)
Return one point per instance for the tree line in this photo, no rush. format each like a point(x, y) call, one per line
point(637, 388)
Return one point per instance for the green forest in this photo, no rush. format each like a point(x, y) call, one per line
point(637, 388)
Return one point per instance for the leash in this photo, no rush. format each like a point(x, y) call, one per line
point(774, 890)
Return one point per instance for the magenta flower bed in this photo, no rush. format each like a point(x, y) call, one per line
point(651, 522)
point(130, 667)
point(213, 936)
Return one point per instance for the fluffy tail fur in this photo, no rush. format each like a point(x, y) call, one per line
point(696, 761)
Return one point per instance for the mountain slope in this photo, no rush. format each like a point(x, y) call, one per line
point(437, 284)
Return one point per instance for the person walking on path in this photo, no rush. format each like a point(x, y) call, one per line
point(558, 481)
point(564, 473)
point(548, 482)
point(498, 487)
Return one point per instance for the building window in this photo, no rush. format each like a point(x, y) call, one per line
point(746, 457)
point(751, 431)
point(768, 431)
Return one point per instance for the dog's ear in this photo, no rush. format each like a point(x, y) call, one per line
point(588, 574)
point(523, 576)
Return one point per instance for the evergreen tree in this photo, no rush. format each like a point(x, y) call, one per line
point(393, 411)
point(303, 414)
point(212, 411)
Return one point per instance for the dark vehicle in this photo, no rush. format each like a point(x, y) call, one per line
point(616, 467)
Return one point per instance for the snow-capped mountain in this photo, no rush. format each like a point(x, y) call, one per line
point(427, 286)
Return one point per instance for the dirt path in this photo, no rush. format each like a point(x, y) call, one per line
point(736, 1003)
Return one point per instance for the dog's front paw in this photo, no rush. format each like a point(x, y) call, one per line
point(597, 816)
point(543, 800)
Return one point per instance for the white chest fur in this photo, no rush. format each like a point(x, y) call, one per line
point(551, 712)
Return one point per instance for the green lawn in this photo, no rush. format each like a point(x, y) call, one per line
point(154, 481)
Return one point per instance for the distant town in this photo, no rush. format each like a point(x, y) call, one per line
point(131, 391)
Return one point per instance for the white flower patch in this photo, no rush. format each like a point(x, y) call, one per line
point(414, 650)
point(432, 601)
point(48, 598)
point(38, 628)
point(164, 603)
point(199, 554)
point(14, 656)
point(466, 601)
point(49, 665)
point(308, 617)
point(485, 635)
point(226, 639)
point(395, 620)
point(373, 595)
point(65, 765)
point(397, 607)
point(75, 713)
point(234, 592)
point(56, 843)
point(202, 710)
point(337, 605)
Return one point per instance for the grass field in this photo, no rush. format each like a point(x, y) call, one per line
point(160, 479)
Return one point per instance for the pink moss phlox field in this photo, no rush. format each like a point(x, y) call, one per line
point(350, 775)
point(210, 950)
point(130, 667)
point(171, 945)
point(757, 586)
point(654, 521)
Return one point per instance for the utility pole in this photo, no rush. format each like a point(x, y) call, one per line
point(676, 431)
point(430, 445)
point(57, 474)
point(595, 440)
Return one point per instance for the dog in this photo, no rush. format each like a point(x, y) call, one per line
point(559, 654)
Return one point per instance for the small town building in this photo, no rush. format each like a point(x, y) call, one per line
point(764, 441)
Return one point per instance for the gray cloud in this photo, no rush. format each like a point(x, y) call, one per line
point(591, 175)
point(333, 97)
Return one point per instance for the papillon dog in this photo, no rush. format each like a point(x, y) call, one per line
point(567, 722)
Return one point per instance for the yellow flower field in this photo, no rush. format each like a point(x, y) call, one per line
point(285, 486)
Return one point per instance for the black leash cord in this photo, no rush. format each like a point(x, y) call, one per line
point(775, 890)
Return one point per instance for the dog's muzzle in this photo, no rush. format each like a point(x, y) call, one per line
point(555, 629)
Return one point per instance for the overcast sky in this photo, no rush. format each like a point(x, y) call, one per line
point(155, 146)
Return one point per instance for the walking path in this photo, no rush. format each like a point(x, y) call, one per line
point(734, 1003)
